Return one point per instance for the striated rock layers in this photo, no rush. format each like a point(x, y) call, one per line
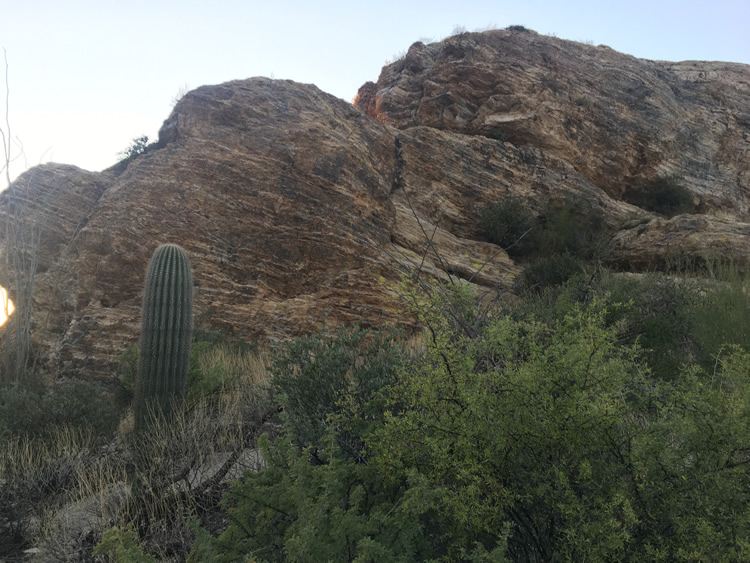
point(294, 205)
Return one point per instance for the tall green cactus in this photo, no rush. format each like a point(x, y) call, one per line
point(165, 334)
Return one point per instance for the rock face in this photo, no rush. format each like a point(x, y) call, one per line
point(294, 205)
point(617, 119)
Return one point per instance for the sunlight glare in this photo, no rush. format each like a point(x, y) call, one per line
point(6, 306)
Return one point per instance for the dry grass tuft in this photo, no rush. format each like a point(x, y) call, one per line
point(60, 494)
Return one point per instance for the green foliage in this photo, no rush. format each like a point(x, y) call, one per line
point(566, 227)
point(31, 408)
point(720, 313)
point(509, 224)
point(665, 196)
point(313, 375)
point(302, 508)
point(547, 271)
point(572, 227)
point(556, 245)
point(165, 334)
point(537, 435)
point(650, 309)
point(137, 146)
point(121, 545)
point(323, 501)
point(558, 431)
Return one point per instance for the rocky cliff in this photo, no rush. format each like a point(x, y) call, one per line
point(294, 205)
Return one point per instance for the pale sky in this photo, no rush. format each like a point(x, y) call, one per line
point(86, 77)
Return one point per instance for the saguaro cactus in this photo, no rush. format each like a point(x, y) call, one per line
point(165, 334)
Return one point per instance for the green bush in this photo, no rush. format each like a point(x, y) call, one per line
point(497, 133)
point(564, 227)
point(321, 508)
point(509, 224)
point(559, 432)
point(122, 545)
point(572, 227)
point(522, 440)
point(665, 196)
point(314, 376)
point(719, 312)
point(547, 271)
point(30, 408)
point(137, 147)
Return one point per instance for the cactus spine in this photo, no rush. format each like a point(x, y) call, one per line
point(165, 334)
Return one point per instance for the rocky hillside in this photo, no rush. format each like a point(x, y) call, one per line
point(294, 204)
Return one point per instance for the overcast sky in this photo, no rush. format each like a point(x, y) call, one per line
point(86, 77)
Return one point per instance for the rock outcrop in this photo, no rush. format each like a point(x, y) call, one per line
point(617, 119)
point(295, 205)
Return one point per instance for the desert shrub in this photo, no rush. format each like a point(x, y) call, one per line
point(517, 28)
point(574, 228)
point(324, 501)
point(506, 221)
point(547, 271)
point(313, 374)
point(504, 438)
point(551, 84)
point(137, 147)
point(497, 133)
point(31, 408)
point(564, 227)
point(665, 196)
point(321, 508)
point(558, 431)
point(122, 545)
point(719, 314)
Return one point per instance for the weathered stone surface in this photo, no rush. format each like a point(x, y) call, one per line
point(294, 204)
point(618, 120)
point(282, 196)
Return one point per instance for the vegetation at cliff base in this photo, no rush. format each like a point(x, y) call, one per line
point(507, 436)
point(603, 418)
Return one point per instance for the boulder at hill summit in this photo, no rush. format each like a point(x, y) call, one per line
point(294, 204)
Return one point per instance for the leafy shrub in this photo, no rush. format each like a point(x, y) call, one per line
point(314, 376)
point(547, 271)
point(566, 227)
point(506, 221)
point(558, 431)
point(523, 440)
point(122, 545)
point(719, 313)
point(571, 227)
point(29, 408)
point(304, 508)
point(665, 196)
point(137, 147)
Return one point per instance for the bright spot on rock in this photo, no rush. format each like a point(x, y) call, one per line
point(6, 306)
